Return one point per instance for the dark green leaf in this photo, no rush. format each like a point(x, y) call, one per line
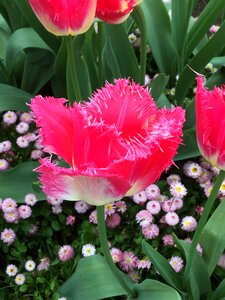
point(199, 277)
point(12, 98)
point(189, 147)
point(155, 290)
point(123, 50)
point(160, 36)
point(21, 179)
point(158, 85)
point(219, 293)
point(92, 280)
point(213, 238)
point(162, 266)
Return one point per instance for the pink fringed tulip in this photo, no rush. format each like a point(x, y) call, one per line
point(210, 115)
point(117, 144)
point(65, 17)
point(115, 11)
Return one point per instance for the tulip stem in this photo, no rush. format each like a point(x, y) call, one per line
point(140, 20)
point(73, 89)
point(107, 254)
point(201, 224)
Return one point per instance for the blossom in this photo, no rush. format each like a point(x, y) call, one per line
point(24, 211)
point(177, 263)
point(26, 117)
point(65, 17)
point(177, 189)
point(20, 279)
point(114, 11)
point(173, 178)
point(150, 231)
point(44, 264)
point(129, 261)
point(11, 217)
point(81, 207)
point(153, 207)
point(70, 220)
point(6, 146)
point(210, 118)
point(22, 142)
point(30, 199)
point(9, 117)
point(11, 270)
point(116, 254)
point(30, 265)
point(88, 250)
point(109, 208)
point(3, 164)
point(140, 198)
point(168, 240)
point(65, 253)
point(144, 218)
point(172, 218)
point(8, 236)
point(113, 220)
point(152, 192)
point(109, 154)
point(188, 223)
point(9, 205)
point(144, 263)
point(22, 127)
point(121, 206)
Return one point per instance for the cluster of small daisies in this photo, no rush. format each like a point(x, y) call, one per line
point(20, 134)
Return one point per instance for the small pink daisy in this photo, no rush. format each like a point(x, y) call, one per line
point(144, 217)
point(26, 117)
point(121, 206)
point(177, 263)
point(8, 236)
point(9, 205)
point(65, 253)
point(188, 223)
point(57, 209)
point(81, 207)
point(93, 217)
point(150, 231)
point(129, 261)
point(24, 211)
point(152, 192)
point(4, 165)
point(70, 220)
point(178, 190)
point(22, 127)
point(140, 198)
point(22, 142)
point(11, 217)
point(169, 205)
point(9, 117)
point(168, 240)
point(110, 208)
point(153, 207)
point(199, 209)
point(5, 146)
point(192, 169)
point(44, 264)
point(144, 263)
point(31, 199)
point(173, 178)
point(172, 218)
point(179, 203)
point(113, 220)
point(116, 254)
point(36, 154)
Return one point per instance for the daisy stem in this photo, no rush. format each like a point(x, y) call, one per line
point(107, 254)
point(73, 89)
point(140, 20)
point(201, 224)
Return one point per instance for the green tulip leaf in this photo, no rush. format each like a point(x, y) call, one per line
point(92, 280)
point(17, 182)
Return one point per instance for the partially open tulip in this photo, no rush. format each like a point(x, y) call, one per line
point(210, 123)
point(117, 144)
point(115, 11)
point(65, 17)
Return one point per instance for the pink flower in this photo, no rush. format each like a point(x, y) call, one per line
point(172, 218)
point(153, 207)
point(144, 218)
point(24, 211)
point(65, 253)
point(176, 263)
point(121, 206)
point(113, 220)
point(210, 115)
point(114, 11)
point(129, 261)
point(70, 220)
point(65, 17)
point(168, 240)
point(150, 231)
point(116, 254)
point(44, 264)
point(152, 192)
point(140, 198)
point(8, 236)
point(9, 205)
point(110, 155)
point(188, 223)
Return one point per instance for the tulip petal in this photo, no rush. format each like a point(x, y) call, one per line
point(210, 123)
point(114, 11)
point(64, 17)
point(56, 125)
point(69, 184)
